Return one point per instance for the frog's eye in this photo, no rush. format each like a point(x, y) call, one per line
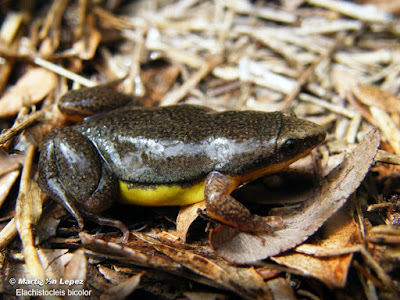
point(289, 146)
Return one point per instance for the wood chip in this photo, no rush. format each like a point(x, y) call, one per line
point(27, 91)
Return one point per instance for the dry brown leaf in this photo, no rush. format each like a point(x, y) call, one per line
point(134, 252)
point(54, 260)
point(31, 88)
point(187, 215)
point(76, 269)
point(158, 82)
point(6, 183)
point(124, 289)
point(338, 233)
point(281, 289)
point(112, 275)
point(49, 221)
point(75, 276)
point(204, 296)
point(10, 163)
point(372, 95)
point(299, 225)
point(150, 252)
point(244, 281)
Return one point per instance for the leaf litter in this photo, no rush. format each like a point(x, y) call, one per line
point(333, 62)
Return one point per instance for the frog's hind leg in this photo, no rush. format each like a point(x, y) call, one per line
point(101, 199)
point(49, 180)
point(71, 172)
point(105, 221)
point(226, 209)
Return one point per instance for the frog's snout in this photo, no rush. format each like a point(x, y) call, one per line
point(322, 134)
point(297, 138)
point(315, 135)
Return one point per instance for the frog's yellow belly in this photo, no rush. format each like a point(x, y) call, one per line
point(162, 195)
point(180, 195)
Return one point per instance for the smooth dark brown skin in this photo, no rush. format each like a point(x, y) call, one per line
point(80, 165)
point(90, 101)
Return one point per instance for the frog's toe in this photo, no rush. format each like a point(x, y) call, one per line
point(110, 222)
point(258, 224)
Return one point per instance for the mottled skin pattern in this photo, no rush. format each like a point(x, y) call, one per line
point(181, 143)
point(80, 166)
point(80, 102)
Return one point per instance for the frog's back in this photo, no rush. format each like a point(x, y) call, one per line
point(179, 143)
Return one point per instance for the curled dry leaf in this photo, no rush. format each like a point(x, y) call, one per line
point(28, 89)
point(340, 232)
point(327, 198)
point(187, 215)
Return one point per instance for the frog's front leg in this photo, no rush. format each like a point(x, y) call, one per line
point(72, 173)
point(226, 209)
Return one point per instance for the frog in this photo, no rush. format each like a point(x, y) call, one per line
point(172, 155)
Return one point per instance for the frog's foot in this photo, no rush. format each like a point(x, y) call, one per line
point(223, 207)
point(71, 172)
point(104, 221)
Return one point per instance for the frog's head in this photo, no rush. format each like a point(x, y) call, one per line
point(297, 137)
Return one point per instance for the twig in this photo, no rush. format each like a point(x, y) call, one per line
point(176, 95)
point(63, 72)
point(18, 127)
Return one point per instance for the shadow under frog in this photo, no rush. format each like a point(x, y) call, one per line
point(166, 156)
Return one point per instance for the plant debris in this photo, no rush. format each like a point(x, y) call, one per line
point(333, 62)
